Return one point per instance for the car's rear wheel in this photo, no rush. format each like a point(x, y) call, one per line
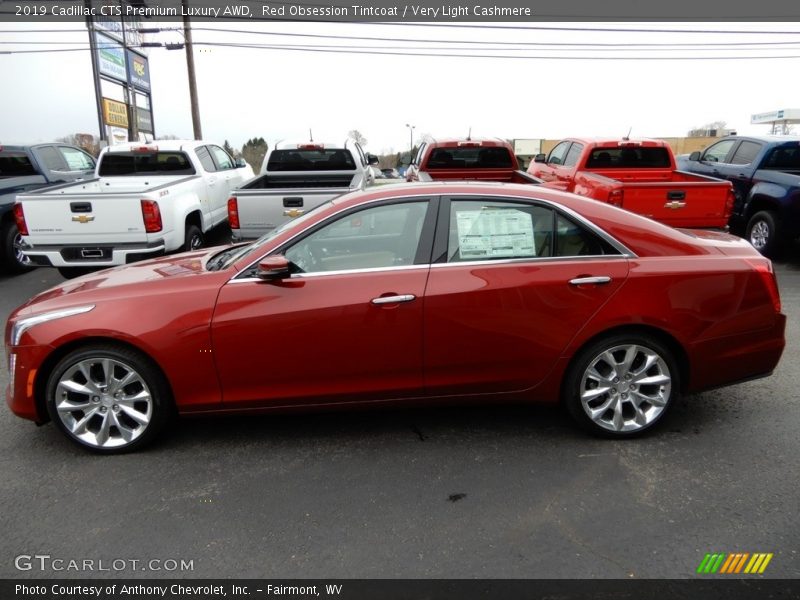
point(108, 399)
point(622, 385)
point(762, 233)
point(12, 254)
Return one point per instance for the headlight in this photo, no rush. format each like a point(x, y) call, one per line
point(22, 325)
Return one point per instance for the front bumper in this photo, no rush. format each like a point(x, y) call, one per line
point(21, 392)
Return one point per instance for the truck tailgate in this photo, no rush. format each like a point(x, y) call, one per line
point(681, 203)
point(262, 210)
point(74, 220)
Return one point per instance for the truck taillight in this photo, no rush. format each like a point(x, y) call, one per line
point(729, 203)
point(763, 266)
point(151, 214)
point(615, 197)
point(19, 217)
point(233, 213)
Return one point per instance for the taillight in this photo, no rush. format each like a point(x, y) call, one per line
point(763, 266)
point(729, 203)
point(233, 213)
point(19, 217)
point(151, 214)
point(615, 197)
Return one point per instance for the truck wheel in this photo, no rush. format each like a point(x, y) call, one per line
point(11, 255)
point(762, 233)
point(193, 238)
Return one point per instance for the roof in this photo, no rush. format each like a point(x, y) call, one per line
point(767, 139)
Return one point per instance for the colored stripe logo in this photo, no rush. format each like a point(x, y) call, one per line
point(735, 563)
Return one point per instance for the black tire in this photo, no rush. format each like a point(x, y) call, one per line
point(763, 233)
point(114, 420)
point(623, 387)
point(193, 239)
point(13, 261)
point(73, 272)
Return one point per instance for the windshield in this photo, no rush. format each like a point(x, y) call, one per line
point(224, 259)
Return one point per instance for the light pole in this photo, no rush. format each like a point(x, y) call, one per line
point(411, 141)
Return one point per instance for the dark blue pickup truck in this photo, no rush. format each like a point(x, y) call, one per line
point(25, 168)
point(765, 173)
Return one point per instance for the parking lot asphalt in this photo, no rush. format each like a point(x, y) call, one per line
point(488, 492)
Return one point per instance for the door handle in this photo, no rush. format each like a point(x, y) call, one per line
point(598, 280)
point(394, 299)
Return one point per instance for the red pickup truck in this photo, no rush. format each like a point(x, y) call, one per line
point(467, 159)
point(638, 175)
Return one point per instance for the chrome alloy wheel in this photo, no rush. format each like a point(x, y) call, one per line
point(759, 235)
point(625, 388)
point(103, 402)
point(196, 242)
point(19, 253)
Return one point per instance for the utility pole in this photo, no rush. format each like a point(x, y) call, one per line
point(411, 144)
point(187, 34)
point(98, 94)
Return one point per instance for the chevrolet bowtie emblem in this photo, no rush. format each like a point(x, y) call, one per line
point(293, 212)
point(83, 218)
point(675, 204)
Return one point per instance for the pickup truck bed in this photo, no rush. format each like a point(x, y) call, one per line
point(637, 175)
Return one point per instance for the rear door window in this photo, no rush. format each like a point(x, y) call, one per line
point(204, 156)
point(571, 159)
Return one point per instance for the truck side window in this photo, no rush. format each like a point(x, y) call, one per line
point(719, 151)
point(52, 159)
point(558, 153)
point(572, 156)
point(76, 160)
point(205, 159)
point(221, 158)
point(746, 153)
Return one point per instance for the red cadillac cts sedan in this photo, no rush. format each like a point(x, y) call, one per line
point(412, 293)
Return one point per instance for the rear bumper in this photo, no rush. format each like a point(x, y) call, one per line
point(93, 255)
point(733, 359)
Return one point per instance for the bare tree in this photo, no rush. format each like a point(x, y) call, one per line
point(357, 137)
point(82, 140)
point(704, 129)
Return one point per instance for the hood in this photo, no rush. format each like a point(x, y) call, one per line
point(134, 279)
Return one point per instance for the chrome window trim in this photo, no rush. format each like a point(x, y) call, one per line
point(625, 252)
point(343, 272)
point(528, 259)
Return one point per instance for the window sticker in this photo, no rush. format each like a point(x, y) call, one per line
point(495, 233)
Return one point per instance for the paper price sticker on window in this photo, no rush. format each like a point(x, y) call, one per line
point(495, 233)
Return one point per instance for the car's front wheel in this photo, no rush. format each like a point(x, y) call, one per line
point(622, 385)
point(108, 399)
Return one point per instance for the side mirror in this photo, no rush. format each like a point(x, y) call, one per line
point(540, 158)
point(695, 155)
point(372, 159)
point(240, 162)
point(273, 267)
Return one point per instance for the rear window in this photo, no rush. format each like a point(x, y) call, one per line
point(15, 164)
point(470, 158)
point(783, 159)
point(136, 163)
point(629, 157)
point(328, 159)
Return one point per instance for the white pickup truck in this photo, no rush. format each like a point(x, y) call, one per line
point(295, 178)
point(145, 200)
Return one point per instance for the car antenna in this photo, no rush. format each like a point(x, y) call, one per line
point(469, 134)
point(628, 137)
point(310, 135)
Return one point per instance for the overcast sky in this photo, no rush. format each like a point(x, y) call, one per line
point(278, 93)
